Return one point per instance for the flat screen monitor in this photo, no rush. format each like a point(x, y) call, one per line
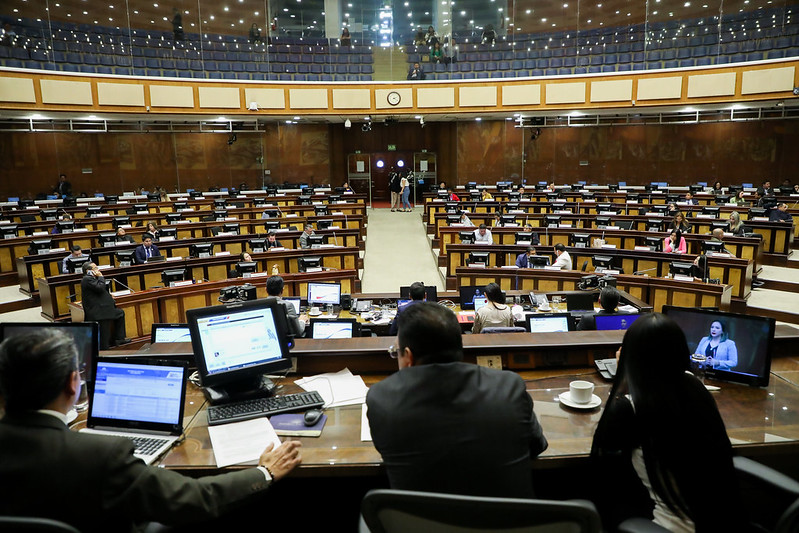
point(9, 231)
point(270, 213)
point(468, 293)
point(602, 222)
point(317, 240)
point(304, 200)
point(723, 199)
point(514, 196)
point(86, 336)
point(508, 220)
point(121, 221)
point(695, 188)
point(442, 195)
point(246, 267)
point(551, 221)
point(538, 261)
point(466, 237)
point(451, 207)
point(171, 218)
point(222, 359)
point(614, 322)
point(74, 264)
point(324, 293)
point(430, 293)
point(333, 198)
point(219, 203)
point(201, 249)
point(257, 245)
point(111, 199)
point(340, 328)
point(660, 209)
point(124, 258)
point(179, 206)
point(712, 247)
point(170, 333)
point(28, 203)
point(173, 275)
point(757, 212)
point(231, 227)
point(475, 195)
point(655, 243)
point(743, 343)
point(310, 263)
point(153, 197)
point(579, 240)
point(604, 262)
point(94, 210)
point(194, 194)
point(655, 224)
point(49, 214)
point(524, 238)
point(550, 323)
point(272, 225)
point(580, 301)
point(734, 189)
point(479, 258)
point(256, 202)
point(321, 210)
point(681, 268)
point(65, 226)
point(310, 191)
point(167, 233)
point(107, 239)
point(453, 219)
point(625, 224)
point(220, 215)
point(673, 198)
point(69, 202)
point(324, 223)
point(706, 210)
point(40, 246)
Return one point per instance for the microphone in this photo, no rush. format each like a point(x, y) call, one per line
point(120, 283)
point(638, 273)
point(335, 240)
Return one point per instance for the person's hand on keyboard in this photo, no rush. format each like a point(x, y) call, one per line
point(283, 460)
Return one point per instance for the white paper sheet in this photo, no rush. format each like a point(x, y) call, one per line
point(366, 431)
point(241, 442)
point(336, 388)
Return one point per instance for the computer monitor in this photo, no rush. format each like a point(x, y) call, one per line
point(723, 199)
point(695, 188)
point(552, 196)
point(107, 239)
point(220, 203)
point(74, 264)
point(524, 238)
point(579, 240)
point(231, 227)
point(85, 335)
point(551, 221)
point(49, 214)
point(220, 215)
point(333, 198)
point(708, 210)
point(614, 322)
point(602, 222)
point(111, 199)
point(452, 207)
point(153, 197)
point(662, 209)
point(304, 200)
point(271, 190)
point(466, 237)
point(756, 212)
point(324, 293)
point(270, 213)
point(655, 224)
point(244, 268)
point(654, 243)
point(453, 219)
point(173, 275)
point(468, 293)
point(338, 328)
point(317, 240)
point(681, 268)
point(25, 203)
point(580, 301)
point(257, 245)
point(508, 220)
point(170, 333)
point(9, 231)
point(201, 249)
point(673, 198)
point(502, 186)
point(94, 210)
point(120, 221)
point(514, 196)
point(613, 187)
point(321, 210)
point(625, 224)
point(194, 194)
point(549, 323)
point(604, 262)
point(430, 293)
point(124, 258)
point(479, 258)
point(272, 225)
point(40, 246)
point(712, 247)
point(295, 302)
point(734, 189)
point(588, 195)
point(633, 197)
point(310, 191)
point(65, 226)
point(475, 195)
point(513, 206)
point(172, 218)
point(324, 223)
point(233, 368)
point(538, 261)
point(743, 354)
point(310, 263)
point(257, 202)
point(442, 195)
point(67, 202)
point(167, 233)
point(723, 225)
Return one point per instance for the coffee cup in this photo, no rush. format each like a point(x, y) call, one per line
point(581, 391)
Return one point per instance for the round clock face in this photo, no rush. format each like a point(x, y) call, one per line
point(393, 98)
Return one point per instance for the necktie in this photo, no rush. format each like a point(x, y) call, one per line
point(148, 253)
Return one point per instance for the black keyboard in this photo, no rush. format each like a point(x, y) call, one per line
point(259, 407)
point(147, 445)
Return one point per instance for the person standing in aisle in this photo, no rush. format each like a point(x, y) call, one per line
point(406, 194)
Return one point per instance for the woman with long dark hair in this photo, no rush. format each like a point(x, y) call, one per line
point(661, 435)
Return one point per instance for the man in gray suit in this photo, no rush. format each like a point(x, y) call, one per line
point(94, 482)
point(443, 425)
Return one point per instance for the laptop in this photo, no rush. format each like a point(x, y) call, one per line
point(295, 302)
point(580, 301)
point(170, 333)
point(139, 399)
point(342, 328)
point(479, 303)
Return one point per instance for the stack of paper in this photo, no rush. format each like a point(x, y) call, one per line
point(336, 388)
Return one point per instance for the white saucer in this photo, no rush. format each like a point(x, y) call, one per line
point(545, 309)
point(565, 399)
point(315, 312)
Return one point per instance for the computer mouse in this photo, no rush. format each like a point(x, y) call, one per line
point(312, 416)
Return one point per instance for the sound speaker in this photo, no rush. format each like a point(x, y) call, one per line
point(346, 301)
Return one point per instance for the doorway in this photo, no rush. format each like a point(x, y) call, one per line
point(382, 164)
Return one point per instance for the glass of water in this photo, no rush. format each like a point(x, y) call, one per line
point(556, 302)
point(698, 365)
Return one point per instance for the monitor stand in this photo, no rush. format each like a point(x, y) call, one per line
point(258, 386)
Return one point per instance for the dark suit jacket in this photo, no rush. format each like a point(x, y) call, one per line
point(456, 428)
point(98, 304)
point(141, 256)
point(94, 483)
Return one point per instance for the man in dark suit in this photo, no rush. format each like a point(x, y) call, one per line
point(94, 482)
point(765, 189)
point(63, 188)
point(146, 249)
point(523, 259)
point(416, 72)
point(608, 300)
point(442, 425)
point(780, 214)
point(99, 306)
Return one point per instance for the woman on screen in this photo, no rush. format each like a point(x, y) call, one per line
point(675, 242)
point(661, 440)
point(495, 313)
point(720, 351)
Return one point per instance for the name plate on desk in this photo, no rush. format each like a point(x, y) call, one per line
point(338, 213)
point(477, 265)
point(103, 267)
point(8, 222)
point(314, 269)
point(32, 207)
point(608, 246)
point(550, 267)
point(80, 230)
point(348, 192)
point(610, 272)
point(564, 225)
point(100, 215)
point(704, 216)
point(516, 211)
point(317, 203)
point(589, 201)
point(290, 215)
point(176, 258)
point(231, 218)
point(607, 213)
point(166, 239)
point(681, 277)
point(142, 212)
point(718, 254)
point(256, 274)
point(631, 202)
point(438, 200)
point(187, 210)
point(277, 248)
point(124, 226)
point(327, 246)
point(181, 283)
point(39, 233)
point(759, 219)
point(654, 214)
point(563, 212)
point(340, 202)
point(642, 248)
point(226, 234)
point(221, 254)
point(121, 293)
point(509, 266)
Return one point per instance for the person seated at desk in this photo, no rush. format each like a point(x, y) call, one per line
point(274, 288)
point(780, 214)
point(442, 425)
point(271, 240)
point(122, 236)
point(562, 258)
point(234, 272)
point(765, 189)
point(736, 225)
point(675, 243)
point(718, 236)
point(56, 229)
point(146, 249)
point(523, 259)
point(417, 294)
point(485, 195)
point(690, 200)
point(153, 230)
point(304, 244)
point(99, 306)
point(76, 251)
point(661, 444)
point(608, 300)
point(739, 199)
point(494, 313)
point(482, 235)
point(719, 349)
point(671, 209)
point(93, 482)
point(680, 223)
point(465, 220)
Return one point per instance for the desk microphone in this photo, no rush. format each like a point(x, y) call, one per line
point(335, 240)
point(638, 273)
point(120, 283)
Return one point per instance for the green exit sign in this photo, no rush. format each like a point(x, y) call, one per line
point(392, 147)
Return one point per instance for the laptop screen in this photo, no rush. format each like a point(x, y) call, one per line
point(548, 323)
point(332, 329)
point(580, 301)
point(170, 333)
point(294, 302)
point(611, 322)
point(480, 303)
point(138, 393)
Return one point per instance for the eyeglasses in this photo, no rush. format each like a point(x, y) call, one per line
point(393, 352)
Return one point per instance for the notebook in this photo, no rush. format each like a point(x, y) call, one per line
point(141, 400)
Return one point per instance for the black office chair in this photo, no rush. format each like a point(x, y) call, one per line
point(395, 511)
point(37, 525)
point(772, 498)
point(503, 329)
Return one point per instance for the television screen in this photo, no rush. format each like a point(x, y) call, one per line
point(324, 293)
point(468, 293)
